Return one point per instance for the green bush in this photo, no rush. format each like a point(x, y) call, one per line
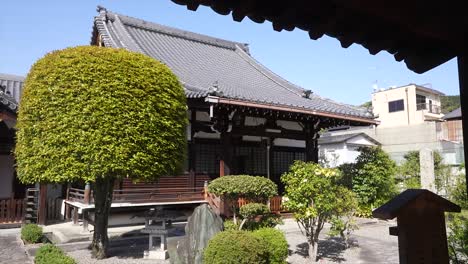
point(31, 233)
point(229, 225)
point(236, 247)
point(458, 238)
point(255, 188)
point(251, 210)
point(276, 243)
point(50, 254)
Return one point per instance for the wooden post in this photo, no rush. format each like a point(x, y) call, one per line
point(67, 207)
point(225, 163)
point(87, 192)
point(463, 80)
point(205, 190)
point(311, 148)
point(42, 212)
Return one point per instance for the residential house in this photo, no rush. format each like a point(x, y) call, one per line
point(406, 105)
point(335, 150)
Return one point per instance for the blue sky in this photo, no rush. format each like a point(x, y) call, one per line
point(30, 29)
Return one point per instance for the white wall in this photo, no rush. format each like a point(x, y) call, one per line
point(6, 175)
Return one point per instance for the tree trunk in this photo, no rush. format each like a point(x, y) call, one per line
point(313, 246)
point(103, 188)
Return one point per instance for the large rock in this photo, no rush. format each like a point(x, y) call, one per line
point(202, 225)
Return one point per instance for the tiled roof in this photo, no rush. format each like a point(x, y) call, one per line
point(11, 87)
point(455, 114)
point(207, 65)
point(331, 139)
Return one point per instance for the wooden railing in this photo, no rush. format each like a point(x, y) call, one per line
point(76, 195)
point(142, 195)
point(148, 195)
point(11, 210)
point(275, 203)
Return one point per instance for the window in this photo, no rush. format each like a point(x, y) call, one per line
point(420, 102)
point(395, 106)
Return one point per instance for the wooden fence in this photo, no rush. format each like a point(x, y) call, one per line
point(275, 203)
point(11, 210)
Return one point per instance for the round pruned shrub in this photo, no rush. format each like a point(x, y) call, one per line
point(31, 233)
point(50, 254)
point(276, 243)
point(251, 210)
point(255, 188)
point(236, 247)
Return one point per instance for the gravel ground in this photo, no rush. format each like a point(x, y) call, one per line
point(12, 250)
point(371, 243)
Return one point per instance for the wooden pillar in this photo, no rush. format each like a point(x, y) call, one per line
point(42, 212)
point(463, 79)
point(225, 163)
point(311, 148)
point(87, 193)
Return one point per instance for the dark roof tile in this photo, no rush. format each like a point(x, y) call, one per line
point(202, 61)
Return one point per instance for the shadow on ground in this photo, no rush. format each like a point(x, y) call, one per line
point(331, 248)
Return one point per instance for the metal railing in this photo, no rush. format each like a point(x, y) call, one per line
point(429, 108)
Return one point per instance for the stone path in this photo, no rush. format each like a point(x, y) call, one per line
point(11, 248)
point(371, 243)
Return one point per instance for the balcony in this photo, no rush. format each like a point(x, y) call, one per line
point(429, 108)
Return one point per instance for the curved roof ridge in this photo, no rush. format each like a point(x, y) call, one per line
point(128, 39)
point(270, 74)
point(143, 24)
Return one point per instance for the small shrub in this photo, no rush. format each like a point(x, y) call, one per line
point(50, 254)
point(255, 188)
point(276, 242)
point(31, 233)
point(229, 225)
point(236, 247)
point(253, 209)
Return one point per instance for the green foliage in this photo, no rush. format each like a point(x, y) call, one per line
point(236, 247)
point(90, 112)
point(343, 227)
point(257, 215)
point(252, 210)
point(367, 104)
point(314, 195)
point(31, 233)
point(449, 103)
point(373, 176)
point(50, 254)
point(410, 171)
point(458, 238)
point(276, 243)
point(229, 225)
point(458, 193)
point(364, 211)
point(255, 188)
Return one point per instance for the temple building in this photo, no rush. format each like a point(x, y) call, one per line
point(244, 118)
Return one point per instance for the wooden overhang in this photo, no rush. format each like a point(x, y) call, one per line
point(424, 34)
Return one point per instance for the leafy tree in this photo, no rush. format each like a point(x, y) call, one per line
point(367, 104)
point(314, 196)
point(373, 177)
point(252, 188)
point(410, 171)
point(449, 103)
point(100, 114)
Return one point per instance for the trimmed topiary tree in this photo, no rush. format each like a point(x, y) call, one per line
point(252, 188)
point(100, 114)
point(236, 247)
